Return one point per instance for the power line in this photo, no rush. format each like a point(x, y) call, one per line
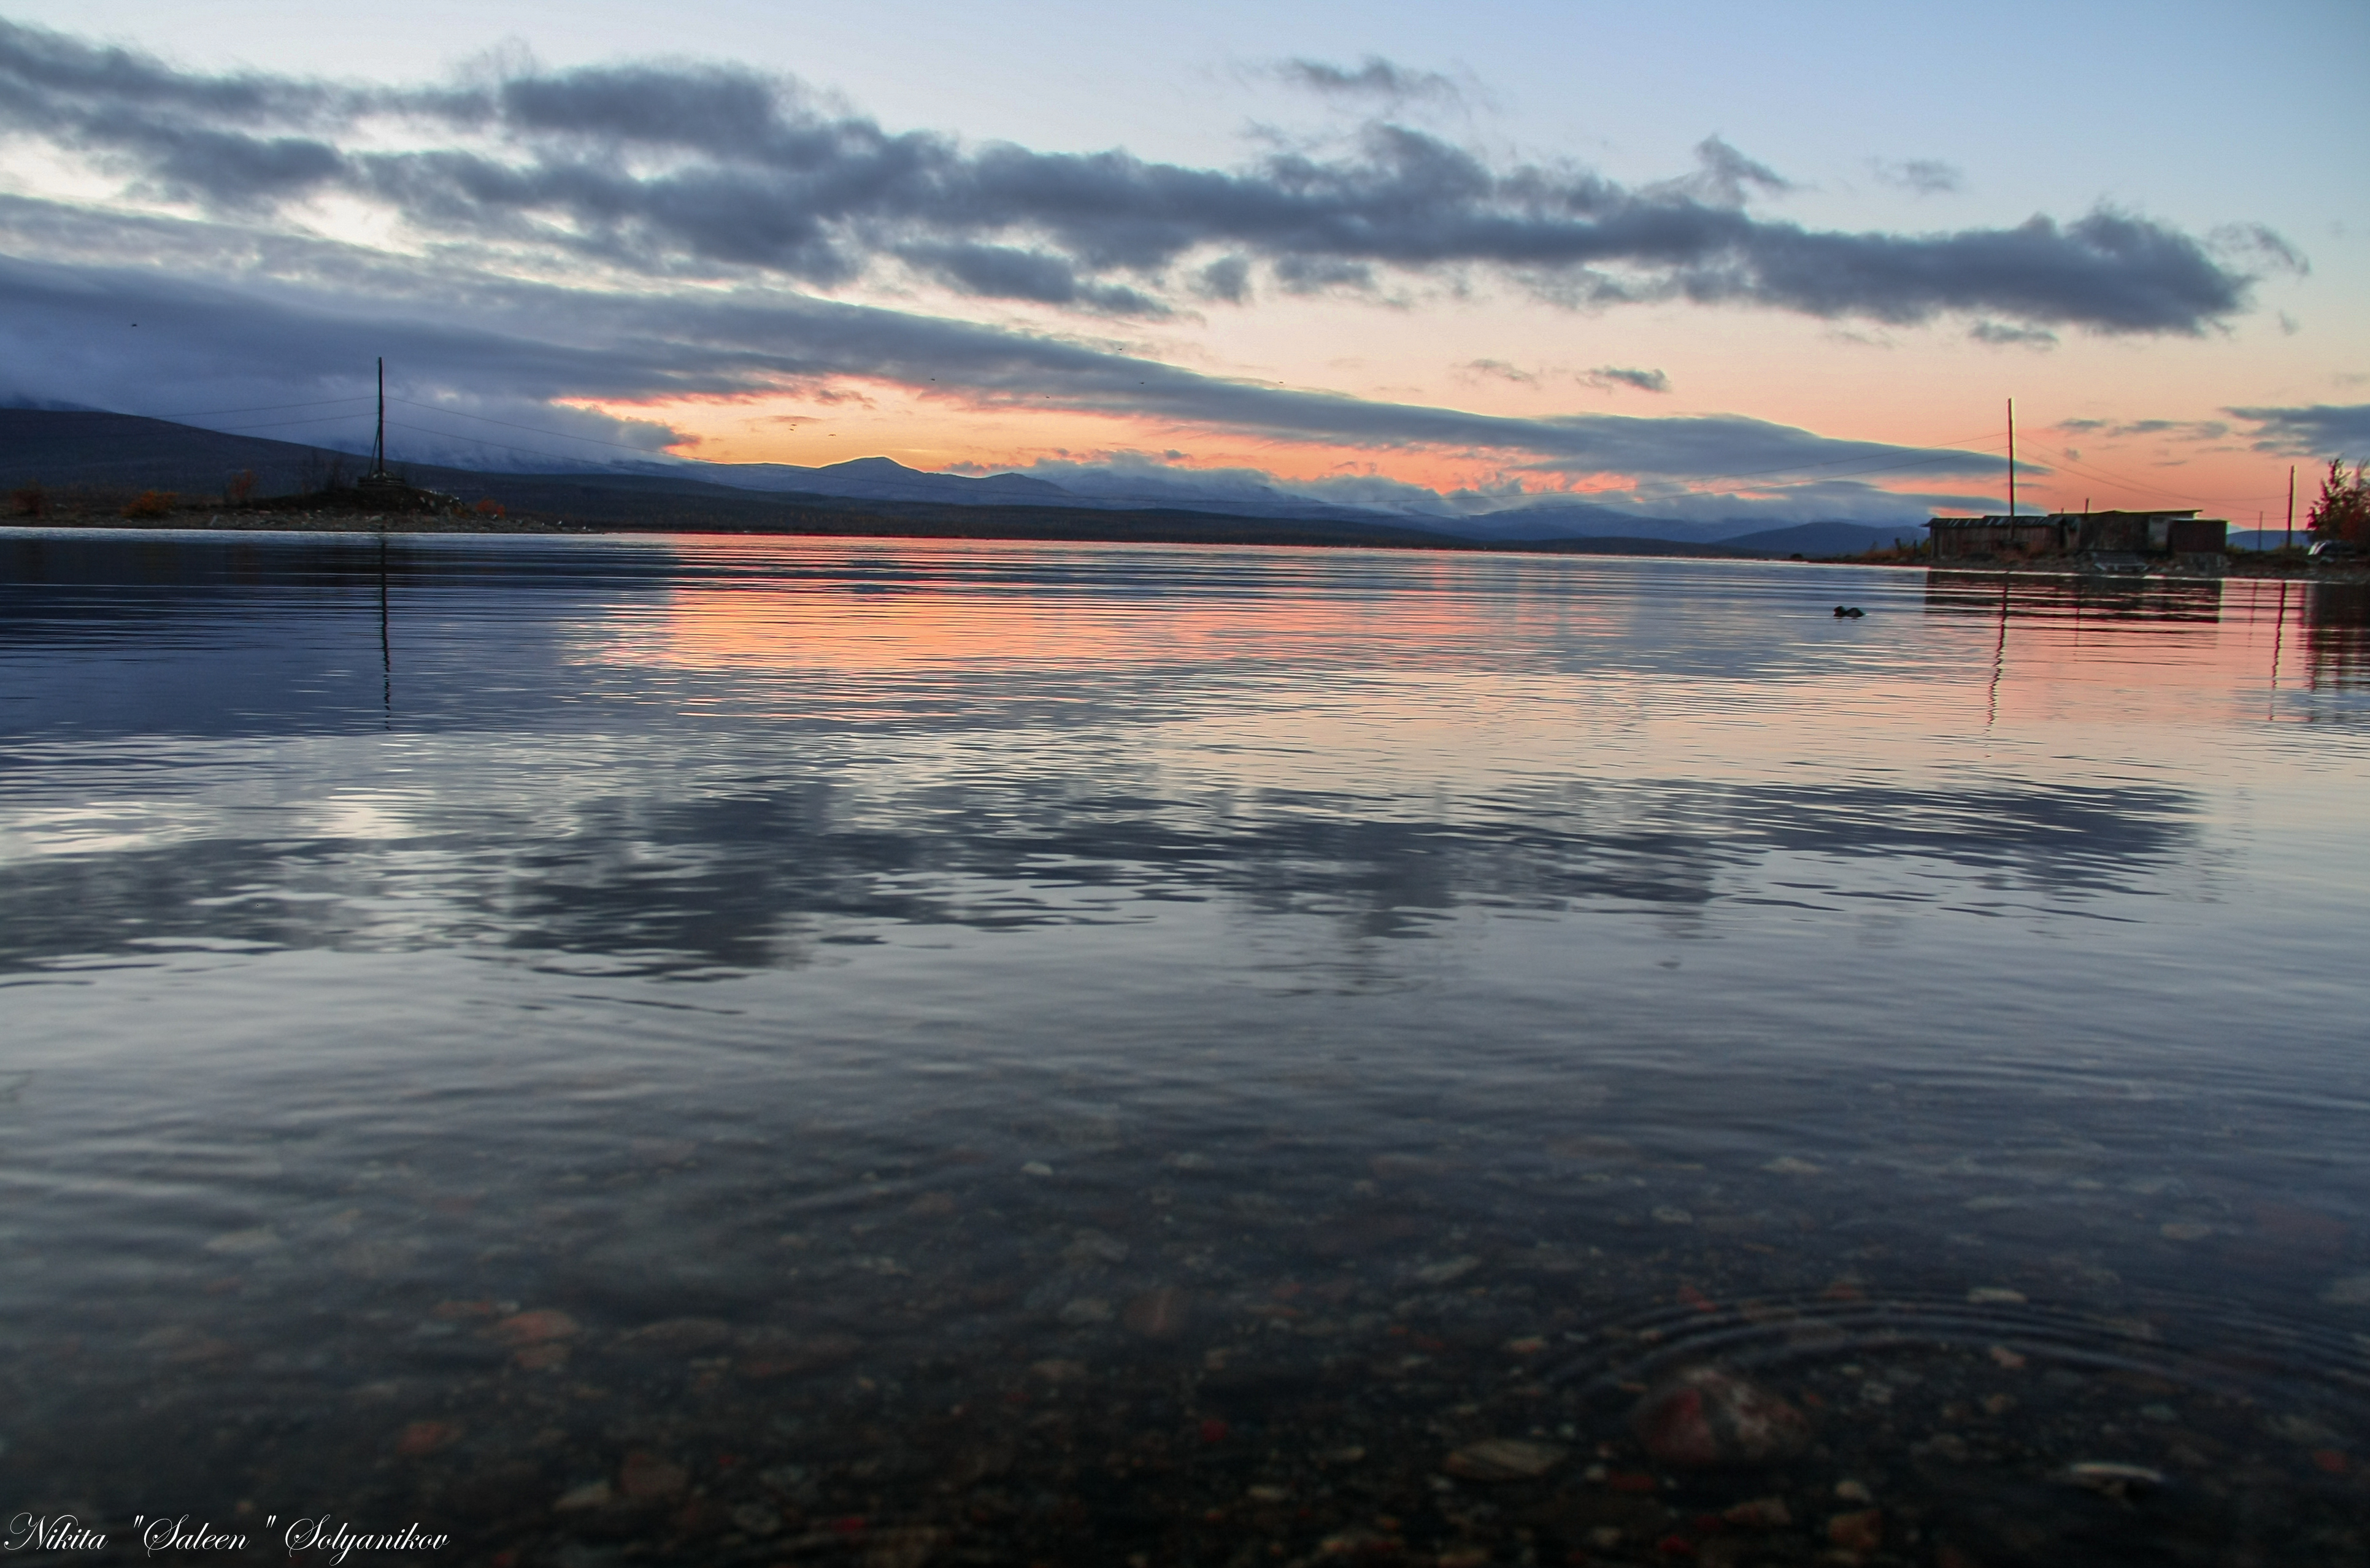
point(331, 403)
point(2090, 470)
point(533, 429)
point(2114, 478)
point(430, 408)
point(1887, 469)
point(254, 408)
point(283, 424)
point(428, 430)
point(417, 430)
point(482, 441)
point(1833, 462)
point(648, 452)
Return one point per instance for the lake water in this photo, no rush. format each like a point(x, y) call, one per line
point(630, 1050)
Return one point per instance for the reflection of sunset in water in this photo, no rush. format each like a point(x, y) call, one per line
point(2337, 634)
point(2164, 647)
point(827, 607)
point(1405, 674)
point(1443, 686)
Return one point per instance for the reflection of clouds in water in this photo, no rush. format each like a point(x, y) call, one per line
point(282, 637)
point(690, 752)
point(1332, 968)
point(678, 754)
point(751, 877)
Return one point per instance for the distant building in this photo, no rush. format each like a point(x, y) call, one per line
point(2098, 540)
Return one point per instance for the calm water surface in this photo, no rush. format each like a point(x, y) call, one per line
point(630, 1050)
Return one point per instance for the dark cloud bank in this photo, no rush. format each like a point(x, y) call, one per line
point(672, 168)
point(2317, 429)
point(540, 340)
point(688, 205)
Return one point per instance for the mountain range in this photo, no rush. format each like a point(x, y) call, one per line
point(69, 449)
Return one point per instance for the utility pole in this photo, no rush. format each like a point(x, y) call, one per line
point(2291, 541)
point(2011, 460)
point(378, 479)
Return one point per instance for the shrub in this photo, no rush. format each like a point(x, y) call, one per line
point(31, 500)
point(239, 489)
point(490, 507)
point(152, 503)
point(2343, 511)
point(324, 472)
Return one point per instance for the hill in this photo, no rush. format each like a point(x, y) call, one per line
point(1823, 539)
point(90, 462)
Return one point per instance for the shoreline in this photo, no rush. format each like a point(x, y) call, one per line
point(346, 520)
point(1248, 532)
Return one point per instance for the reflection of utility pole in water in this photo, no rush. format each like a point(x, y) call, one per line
point(2278, 623)
point(1999, 657)
point(378, 476)
point(386, 648)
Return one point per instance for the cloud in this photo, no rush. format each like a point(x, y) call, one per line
point(680, 171)
point(1169, 479)
point(1724, 177)
point(2253, 243)
point(1925, 177)
point(1377, 78)
point(307, 324)
point(2319, 429)
point(1499, 370)
point(1228, 279)
point(1610, 376)
point(2128, 430)
point(995, 271)
point(2000, 335)
point(1322, 274)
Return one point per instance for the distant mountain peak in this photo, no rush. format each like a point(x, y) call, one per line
point(885, 467)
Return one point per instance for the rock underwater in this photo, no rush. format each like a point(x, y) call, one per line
point(1705, 1418)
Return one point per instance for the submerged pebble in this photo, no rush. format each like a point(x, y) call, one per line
point(533, 1328)
point(1158, 1314)
point(1706, 1418)
point(678, 1336)
point(590, 1494)
point(1504, 1458)
point(1861, 1531)
point(2111, 1480)
point(645, 1477)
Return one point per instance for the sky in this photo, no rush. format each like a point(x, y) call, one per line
point(1706, 260)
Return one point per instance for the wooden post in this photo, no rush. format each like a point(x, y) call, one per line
point(2290, 539)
